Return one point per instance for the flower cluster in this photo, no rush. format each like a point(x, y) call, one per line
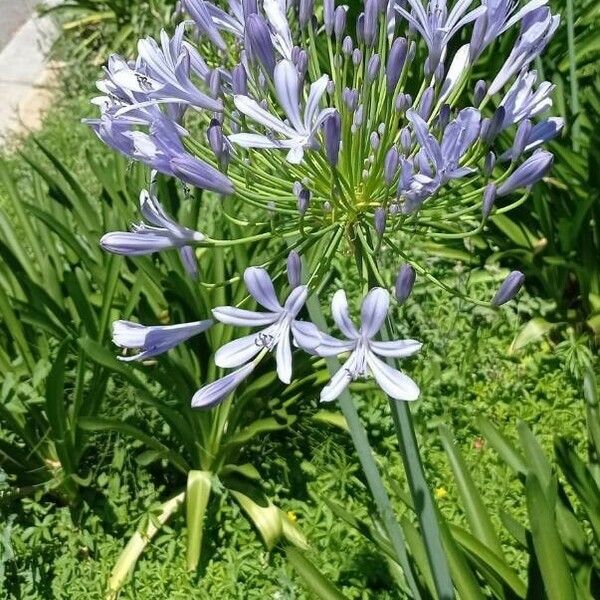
point(374, 130)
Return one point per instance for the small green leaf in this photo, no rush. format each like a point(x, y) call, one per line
point(196, 497)
point(314, 580)
point(532, 331)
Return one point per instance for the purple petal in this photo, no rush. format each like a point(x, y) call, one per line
point(216, 392)
point(396, 349)
point(261, 288)
point(238, 352)
point(374, 311)
point(243, 318)
point(393, 382)
point(341, 316)
point(340, 381)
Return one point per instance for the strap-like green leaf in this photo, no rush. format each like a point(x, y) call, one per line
point(197, 494)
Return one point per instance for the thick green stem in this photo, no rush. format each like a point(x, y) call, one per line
point(367, 461)
point(409, 449)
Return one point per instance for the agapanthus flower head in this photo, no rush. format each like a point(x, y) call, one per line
point(342, 137)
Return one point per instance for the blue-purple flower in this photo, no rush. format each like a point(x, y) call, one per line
point(155, 339)
point(295, 136)
point(161, 233)
point(365, 352)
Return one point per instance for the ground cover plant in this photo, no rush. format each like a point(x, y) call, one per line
point(269, 467)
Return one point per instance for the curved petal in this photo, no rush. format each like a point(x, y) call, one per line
point(317, 89)
point(136, 244)
point(341, 316)
point(374, 311)
point(287, 88)
point(252, 140)
point(306, 335)
point(238, 352)
point(340, 381)
point(252, 109)
point(283, 356)
point(243, 318)
point(394, 383)
point(296, 154)
point(396, 349)
point(296, 300)
point(216, 392)
point(259, 284)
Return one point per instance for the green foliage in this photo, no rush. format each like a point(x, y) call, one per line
point(101, 27)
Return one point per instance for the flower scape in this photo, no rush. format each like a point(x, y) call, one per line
point(327, 133)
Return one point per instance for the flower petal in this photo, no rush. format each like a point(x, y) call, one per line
point(252, 140)
point(396, 349)
point(341, 316)
point(393, 382)
point(283, 356)
point(340, 381)
point(317, 89)
point(216, 392)
point(243, 318)
point(238, 352)
point(252, 109)
point(296, 300)
point(287, 88)
point(374, 311)
point(259, 284)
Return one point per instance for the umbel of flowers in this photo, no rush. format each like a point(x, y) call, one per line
point(370, 130)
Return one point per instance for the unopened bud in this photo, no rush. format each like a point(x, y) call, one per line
point(294, 269)
point(509, 289)
point(333, 135)
point(489, 197)
point(379, 221)
point(404, 283)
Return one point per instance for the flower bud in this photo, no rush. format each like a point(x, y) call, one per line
point(374, 140)
point(371, 22)
point(214, 83)
point(373, 68)
point(294, 269)
point(339, 22)
point(356, 57)
point(215, 137)
point(297, 188)
point(406, 139)
point(489, 197)
point(360, 28)
point(404, 283)
point(509, 289)
point(479, 93)
point(531, 171)
point(305, 11)
point(490, 128)
point(347, 46)
point(489, 164)
point(396, 62)
point(259, 37)
point(303, 200)
point(328, 15)
point(239, 80)
point(426, 105)
point(390, 168)
point(302, 63)
point(333, 135)
point(521, 139)
point(379, 221)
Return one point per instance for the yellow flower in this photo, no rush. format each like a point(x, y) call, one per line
point(291, 515)
point(440, 493)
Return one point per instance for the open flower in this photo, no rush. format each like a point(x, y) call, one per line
point(300, 132)
point(155, 339)
point(162, 233)
point(437, 26)
point(278, 321)
point(364, 349)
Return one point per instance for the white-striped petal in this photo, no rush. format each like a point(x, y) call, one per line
point(240, 351)
point(394, 383)
point(374, 311)
point(340, 381)
point(283, 356)
point(216, 392)
point(341, 316)
point(252, 140)
point(243, 318)
point(252, 109)
point(259, 284)
point(396, 349)
point(287, 87)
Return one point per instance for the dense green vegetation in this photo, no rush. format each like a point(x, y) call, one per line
point(90, 452)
